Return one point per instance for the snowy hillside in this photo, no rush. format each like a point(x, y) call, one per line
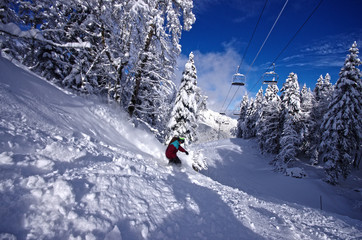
point(73, 168)
point(214, 126)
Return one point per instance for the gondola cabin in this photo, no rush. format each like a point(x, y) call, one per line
point(238, 79)
point(271, 78)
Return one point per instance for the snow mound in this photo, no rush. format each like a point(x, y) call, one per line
point(295, 172)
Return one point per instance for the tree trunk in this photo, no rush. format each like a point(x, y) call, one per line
point(138, 76)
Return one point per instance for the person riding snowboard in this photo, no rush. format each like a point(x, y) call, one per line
point(172, 149)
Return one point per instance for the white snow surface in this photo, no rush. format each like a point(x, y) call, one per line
point(74, 168)
point(13, 29)
point(213, 126)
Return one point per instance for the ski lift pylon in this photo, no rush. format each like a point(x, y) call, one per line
point(271, 77)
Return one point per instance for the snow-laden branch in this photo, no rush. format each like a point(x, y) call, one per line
point(13, 30)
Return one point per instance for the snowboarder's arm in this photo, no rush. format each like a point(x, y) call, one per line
point(181, 149)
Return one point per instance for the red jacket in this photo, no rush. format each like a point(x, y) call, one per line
point(173, 148)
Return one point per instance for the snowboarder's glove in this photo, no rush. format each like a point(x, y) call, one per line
point(187, 153)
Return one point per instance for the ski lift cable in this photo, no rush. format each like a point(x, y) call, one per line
point(232, 98)
point(236, 110)
point(275, 22)
point(252, 36)
point(300, 28)
point(225, 99)
point(290, 41)
point(246, 50)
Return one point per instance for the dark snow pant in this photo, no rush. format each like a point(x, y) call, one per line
point(175, 160)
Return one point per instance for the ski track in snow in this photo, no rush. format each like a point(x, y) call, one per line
point(75, 169)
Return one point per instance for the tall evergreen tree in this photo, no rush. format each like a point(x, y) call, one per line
point(290, 140)
point(7, 11)
point(242, 115)
point(327, 88)
point(248, 125)
point(202, 102)
point(342, 124)
point(183, 120)
point(269, 128)
point(322, 94)
point(93, 69)
point(306, 120)
point(290, 97)
point(160, 49)
point(318, 88)
point(253, 115)
point(32, 22)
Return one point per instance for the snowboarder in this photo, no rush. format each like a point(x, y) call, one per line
point(172, 149)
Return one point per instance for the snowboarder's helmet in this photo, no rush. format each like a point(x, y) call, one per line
point(181, 139)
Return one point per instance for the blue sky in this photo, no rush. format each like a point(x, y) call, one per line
point(223, 29)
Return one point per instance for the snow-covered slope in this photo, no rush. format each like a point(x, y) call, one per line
point(214, 126)
point(73, 168)
point(237, 163)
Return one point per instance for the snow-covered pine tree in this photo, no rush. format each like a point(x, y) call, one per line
point(154, 90)
point(290, 97)
point(63, 27)
point(318, 88)
point(82, 22)
point(202, 103)
point(290, 140)
point(306, 121)
point(258, 104)
point(55, 62)
point(161, 30)
point(183, 120)
point(7, 11)
point(340, 148)
point(151, 87)
point(253, 114)
point(31, 23)
point(322, 94)
point(269, 129)
point(8, 43)
point(244, 105)
point(327, 88)
point(248, 125)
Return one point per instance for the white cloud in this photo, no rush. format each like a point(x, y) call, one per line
point(214, 72)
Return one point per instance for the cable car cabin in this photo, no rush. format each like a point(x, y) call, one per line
point(271, 78)
point(238, 79)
